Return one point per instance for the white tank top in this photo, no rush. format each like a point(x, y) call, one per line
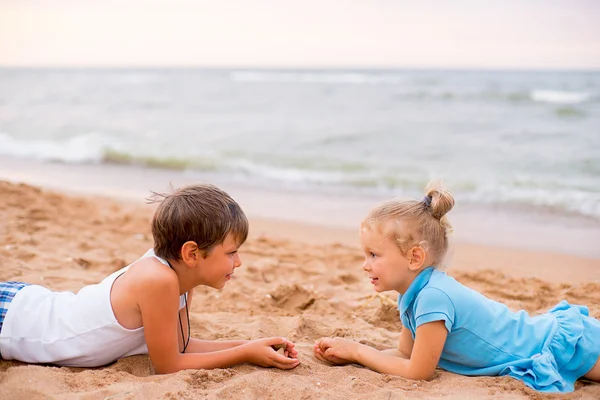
point(63, 328)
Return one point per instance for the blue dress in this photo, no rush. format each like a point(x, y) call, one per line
point(548, 352)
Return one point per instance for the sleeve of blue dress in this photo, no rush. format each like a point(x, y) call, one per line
point(432, 305)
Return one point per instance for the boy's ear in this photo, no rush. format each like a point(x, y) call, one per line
point(190, 253)
point(416, 258)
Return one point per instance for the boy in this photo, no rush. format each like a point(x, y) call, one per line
point(144, 307)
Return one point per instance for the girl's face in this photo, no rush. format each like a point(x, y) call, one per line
point(387, 267)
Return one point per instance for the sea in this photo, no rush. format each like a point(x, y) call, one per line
point(504, 139)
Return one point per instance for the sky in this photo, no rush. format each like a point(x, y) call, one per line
point(519, 34)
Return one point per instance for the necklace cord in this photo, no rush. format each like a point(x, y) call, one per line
point(187, 314)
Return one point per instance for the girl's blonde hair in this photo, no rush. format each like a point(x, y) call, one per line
point(416, 223)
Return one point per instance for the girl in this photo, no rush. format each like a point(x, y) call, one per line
point(451, 325)
point(143, 308)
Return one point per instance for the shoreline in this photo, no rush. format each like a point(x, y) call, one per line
point(573, 235)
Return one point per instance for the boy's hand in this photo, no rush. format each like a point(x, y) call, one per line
point(289, 349)
point(260, 352)
point(336, 351)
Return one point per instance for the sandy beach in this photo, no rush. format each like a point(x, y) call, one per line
point(299, 280)
point(308, 115)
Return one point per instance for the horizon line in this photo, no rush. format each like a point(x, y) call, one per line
point(302, 68)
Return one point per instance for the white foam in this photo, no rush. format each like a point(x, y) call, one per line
point(78, 149)
point(486, 225)
point(559, 96)
point(585, 203)
point(288, 175)
point(478, 191)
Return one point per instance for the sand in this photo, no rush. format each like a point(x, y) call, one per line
point(299, 280)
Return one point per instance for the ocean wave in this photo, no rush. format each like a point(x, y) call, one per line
point(515, 97)
point(410, 87)
point(94, 149)
point(565, 200)
point(356, 78)
point(569, 112)
point(560, 97)
point(561, 199)
point(174, 163)
point(78, 149)
point(582, 198)
point(286, 174)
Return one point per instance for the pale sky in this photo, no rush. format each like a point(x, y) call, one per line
point(309, 33)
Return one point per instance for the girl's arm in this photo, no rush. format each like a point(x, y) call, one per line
point(406, 342)
point(429, 343)
point(197, 345)
point(420, 365)
point(405, 345)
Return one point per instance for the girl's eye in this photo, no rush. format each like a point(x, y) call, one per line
point(373, 255)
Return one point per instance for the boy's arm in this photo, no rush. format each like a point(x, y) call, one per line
point(426, 352)
point(197, 345)
point(157, 292)
point(161, 326)
point(207, 346)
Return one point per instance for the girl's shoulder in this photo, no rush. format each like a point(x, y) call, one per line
point(455, 290)
point(443, 282)
point(461, 296)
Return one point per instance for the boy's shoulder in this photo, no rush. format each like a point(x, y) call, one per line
point(150, 273)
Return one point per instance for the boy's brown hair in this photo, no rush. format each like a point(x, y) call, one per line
point(201, 213)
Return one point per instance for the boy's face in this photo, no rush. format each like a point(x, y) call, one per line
point(384, 262)
point(218, 267)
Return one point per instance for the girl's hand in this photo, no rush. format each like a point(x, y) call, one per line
point(336, 351)
point(260, 352)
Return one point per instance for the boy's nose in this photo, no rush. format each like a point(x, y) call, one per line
point(237, 261)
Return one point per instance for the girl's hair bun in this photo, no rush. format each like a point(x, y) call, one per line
point(438, 199)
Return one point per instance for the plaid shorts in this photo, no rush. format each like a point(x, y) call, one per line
point(7, 292)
